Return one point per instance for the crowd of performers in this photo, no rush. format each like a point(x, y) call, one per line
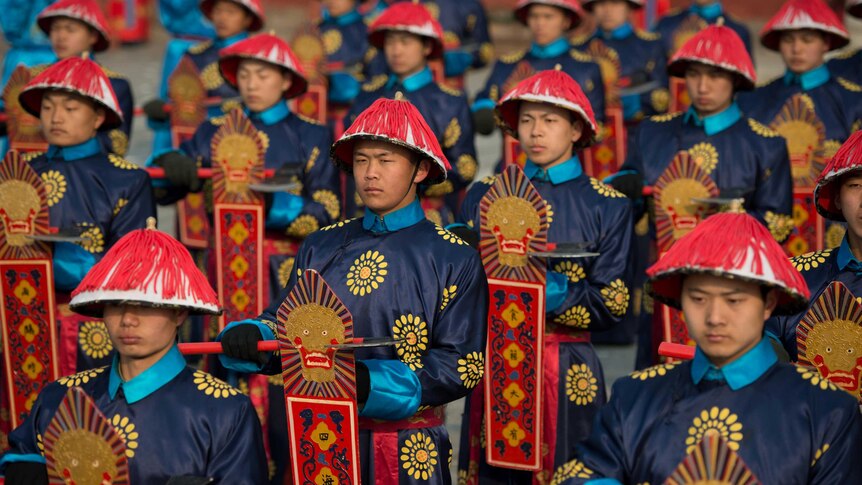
point(649, 191)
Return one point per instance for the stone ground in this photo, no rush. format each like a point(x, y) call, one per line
point(142, 65)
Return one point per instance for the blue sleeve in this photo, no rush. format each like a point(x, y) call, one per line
point(461, 152)
point(555, 290)
point(482, 103)
point(343, 87)
point(71, 264)
point(284, 209)
point(772, 201)
point(236, 453)
point(244, 365)
point(395, 391)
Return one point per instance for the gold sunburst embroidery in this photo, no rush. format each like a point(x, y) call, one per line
point(705, 155)
point(94, 340)
point(605, 190)
point(780, 225)
point(471, 368)
point(329, 201)
point(834, 235)
point(448, 295)
point(573, 271)
point(92, 239)
point(467, 167)
point(452, 133)
point(331, 41)
point(449, 236)
point(616, 297)
point(660, 99)
point(284, 270)
point(211, 77)
point(440, 189)
point(412, 333)
point(761, 129)
point(126, 429)
point(82, 377)
point(812, 260)
point(55, 186)
point(367, 273)
point(581, 385)
point(302, 226)
point(121, 162)
point(652, 372)
point(715, 420)
point(212, 386)
point(577, 316)
point(419, 456)
point(119, 141)
point(337, 224)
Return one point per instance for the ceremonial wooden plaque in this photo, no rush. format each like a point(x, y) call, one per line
point(606, 156)
point(319, 384)
point(310, 50)
point(26, 287)
point(238, 161)
point(514, 223)
point(24, 129)
point(712, 462)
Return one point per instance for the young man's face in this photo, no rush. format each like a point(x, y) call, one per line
point(849, 200)
point(142, 334)
point(261, 85)
point(547, 23)
point(337, 8)
point(611, 14)
point(230, 19)
point(725, 317)
point(709, 88)
point(406, 53)
point(547, 133)
point(70, 37)
point(384, 175)
point(803, 50)
point(68, 119)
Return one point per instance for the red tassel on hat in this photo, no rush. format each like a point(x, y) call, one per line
point(735, 246)
point(408, 17)
point(265, 48)
point(254, 7)
point(847, 159)
point(87, 11)
point(149, 267)
point(571, 7)
point(719, 46)
point(805, 14)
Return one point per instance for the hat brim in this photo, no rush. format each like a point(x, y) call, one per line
point(574, 15)
point(377, 38)
point(103, 42)
point(677, 67)
point(206, 7)
point(31, 100)
point(508, 114)
point(837, 39)
point(229, 65)
point(825, 192)
point(588, 4)
point(92, 303)
point(342, 154)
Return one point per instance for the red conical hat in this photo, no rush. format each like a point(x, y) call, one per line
point(805, 14)
point(847, 159)
point(146, 267)
point(267, 48)
point(77, 75)
point(86, 11)
point(719, 46)
point(854, 8)
point(253, 6)
point(735, 246)
point(408, 17)
point(572, 7)
point(588, 4)
point(400, 123)
point(553, 87)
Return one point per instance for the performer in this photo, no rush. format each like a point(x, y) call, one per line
point(849, 64)
point(410, 37)
point(734, 410)
point(402, 276)
point(678, 26)
point(550, 115)
point(76, 28)
point(345, 39)
point(28, 45)
point(548, 21)
point(90, 191)
point(837, 189)
point(175, 420)
point(739, 155)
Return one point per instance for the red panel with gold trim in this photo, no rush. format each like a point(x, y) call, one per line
point(809, 234)
point(608, 154)
point(311, 52)
point(319, 383)
point(514, 223)
point(24, 129)
point(513, 154)
point(679, 99)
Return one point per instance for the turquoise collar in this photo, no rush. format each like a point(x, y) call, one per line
point(229, 41)
point(376, 10)
point(619, 33)
point(714, 124)
point(394, 221)
point(349, 18)
point(707, 12)
point(75, 152)
point(148, 381)
point(845, 256)
point(554, 49)
point(568, 170)
point(413, 82)
point(270, 116)
point(739, 373)
point(808, 80)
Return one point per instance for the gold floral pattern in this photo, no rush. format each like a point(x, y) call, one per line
point(329, 201)
point(55, 187)
point(284, 270)
point(412, 332)
point(213, 387)
point(126, 429)
point(448, 295)
point(813, 376)
point(302, 226)
point(92, 239)
point(572, 469)
point(834, 235)
point(779, 225)
point(819, 453)
point(82, 377)
point(573, 271)
point(337, 224)
point(440, 189)
point(605, 190)
point(762, 129)
point(211, 77)
point(331, 41)
point(367, 273)
point(660, 99)
point(434, 216)
point(651, 372)
point(94, 340)
point(119, 141)
point(665, 117)
point(419, 456)
point(121, 162)
point(810, 260)
point(471, 369)
point(830, 148)
point(452, 133)
point(705, 155)
point(577, 316)
point(121, 202)
point(616, 297)
point(467, 167)
point(715, 420)
point(581, 385)
point(449, 236)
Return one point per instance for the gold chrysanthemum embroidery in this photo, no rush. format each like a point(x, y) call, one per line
point(434, 216)
point(212, 386)
point(810, 260)
point(211, 77)
point(813, 376)
point(467, 166)
point(581, 385)
point(92, 239)
point(780, 225)
point(762, 129)
point(448, 294)
point(471, 368)
point(119, 141)
point(616, 297)
point(449, 236)
point(284, 270)
point(419, 456)
point(126, 429)
point(302, 226)
point(715, 420)
point(834, 235)
point(577, 316)
point(651, 372)
point(412, 332)
point(329, 201)
point(367, 273)
point(121, 162)
point(94, 340)
point(705, 155)
point(452, 134)
point(55, 186)
point(572, 469)
point(82, 377)
point(440, 189)
point(331, 41)
point(664, 118)
point(121, 202)
point(660, 99)
point(605, 190)
point(573, 271)
point(337, 224)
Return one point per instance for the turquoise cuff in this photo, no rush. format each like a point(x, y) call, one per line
point(240, 365)
point(604, 481)
point(19, 458)
point(481, 104)
point(343, 87)
point(285, 207)
point(395, 391)
point(71, 264)
point(631, 106)
point(556, 287)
